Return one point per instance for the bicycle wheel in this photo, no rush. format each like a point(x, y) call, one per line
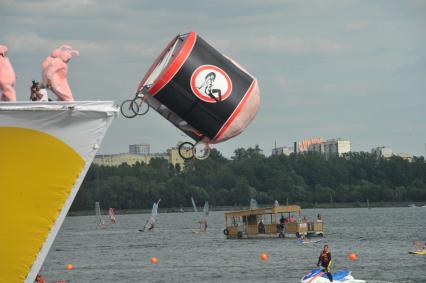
point(201, 150)
point(139, 106)
point(126, 108)
point(186, 150)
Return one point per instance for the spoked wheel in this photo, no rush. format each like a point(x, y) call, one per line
point(186, 150)
point(127, 108)
point(201, 150)
point(139, 106)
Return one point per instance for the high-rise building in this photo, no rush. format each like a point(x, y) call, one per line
point(405, 156)
point(382, 151)
point(286, 150)
point(333, 147)
point(141, 148)
point(337, 147)
point(304, 145)
point(171, 155)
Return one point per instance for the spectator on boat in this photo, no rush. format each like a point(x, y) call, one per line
point(276, 204)
point(39, 279)
point(286, 220)
point(304, 219)
point(325, 261)
point(319, 218)
point(38, 93)
point(282, 222)
point(261, 227)
point(422, 248)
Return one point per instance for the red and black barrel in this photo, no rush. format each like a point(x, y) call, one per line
point(201, 88)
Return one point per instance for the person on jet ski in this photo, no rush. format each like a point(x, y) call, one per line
point(325, 261)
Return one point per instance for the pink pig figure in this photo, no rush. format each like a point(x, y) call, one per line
point(7, 77)
point(57, 72)
point(49, 59)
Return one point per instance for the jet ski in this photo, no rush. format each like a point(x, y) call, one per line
point(318, 276)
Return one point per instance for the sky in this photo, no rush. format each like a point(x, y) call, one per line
point(330, 69)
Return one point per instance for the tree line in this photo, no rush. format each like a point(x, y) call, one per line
point(304, 178)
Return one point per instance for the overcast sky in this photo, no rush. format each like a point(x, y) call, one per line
point(350, 69)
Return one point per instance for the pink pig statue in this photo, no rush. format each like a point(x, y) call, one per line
point(57, 73)
point(49, 59)
point(7, 77)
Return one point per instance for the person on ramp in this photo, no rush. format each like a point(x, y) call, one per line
point(325, 261)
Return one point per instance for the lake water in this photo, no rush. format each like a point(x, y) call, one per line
point(381, 237)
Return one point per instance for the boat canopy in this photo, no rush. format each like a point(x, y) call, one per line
point(266, 210)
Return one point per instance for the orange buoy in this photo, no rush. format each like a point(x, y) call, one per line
point(154, 260)
point(263, 256)
point(352, 256)
point(69, 266)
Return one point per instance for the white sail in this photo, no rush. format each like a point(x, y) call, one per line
point(154, 211)
point(253, 204)
point(203, 217)
point(193, 204)
point(153, 218)
point(98, 213)
point(206, 208)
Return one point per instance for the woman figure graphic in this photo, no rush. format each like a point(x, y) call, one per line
point(208, 84)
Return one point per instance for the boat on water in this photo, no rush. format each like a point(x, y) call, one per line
point(307, 241)
point(419, 248)
point(318, 276)
point(269, 222)
point(412, 205)
point(417, 252)
point(46, 149)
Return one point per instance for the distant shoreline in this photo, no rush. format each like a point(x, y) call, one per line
point(230, 208)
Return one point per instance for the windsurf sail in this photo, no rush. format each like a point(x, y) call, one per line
point(253, 204)
point(111, 213)
point(193, 204)
point(150, 223)
point(203, 218)
point(206, 209)
point(98, 213)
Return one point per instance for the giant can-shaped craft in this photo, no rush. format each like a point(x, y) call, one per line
point(201, 91)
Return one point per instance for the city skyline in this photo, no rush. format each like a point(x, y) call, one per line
point(265, 152)
point(325, 68)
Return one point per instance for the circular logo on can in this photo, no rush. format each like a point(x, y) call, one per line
point(211, 84)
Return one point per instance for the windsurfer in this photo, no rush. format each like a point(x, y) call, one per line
point(151, 226)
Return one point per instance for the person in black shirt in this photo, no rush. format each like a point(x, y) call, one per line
point(325, 261)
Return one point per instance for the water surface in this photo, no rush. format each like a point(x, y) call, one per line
point(381, 237)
